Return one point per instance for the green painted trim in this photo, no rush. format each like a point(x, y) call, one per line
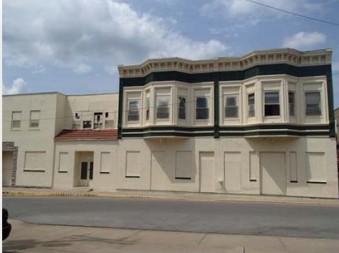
point(216, 105)
point(330, 99)
point(120, 109)
point(241, 131)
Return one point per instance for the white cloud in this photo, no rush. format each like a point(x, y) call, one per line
point(18, 86)
point(304, 40)
point(253, 13)
point(106, 32)
point(82, 69)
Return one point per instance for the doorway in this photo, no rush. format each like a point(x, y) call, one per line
point(86, 173)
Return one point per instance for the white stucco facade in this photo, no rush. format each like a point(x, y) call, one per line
point(258, 124)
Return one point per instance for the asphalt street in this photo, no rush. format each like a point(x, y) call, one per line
point(245, 218)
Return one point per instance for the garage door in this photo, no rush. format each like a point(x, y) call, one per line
point(273, 173)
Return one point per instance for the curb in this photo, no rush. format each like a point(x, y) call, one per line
point(179, 197)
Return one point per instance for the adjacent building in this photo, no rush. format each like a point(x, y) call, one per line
point(262, 123)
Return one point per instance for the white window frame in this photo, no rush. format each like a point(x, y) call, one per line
point(272, 103)
point(250, 107)
point(133, 110)
point(318, 105)
point(16, 120)
point(166, 98)
point(226, 97)
point(207, 108)
point(34, 119)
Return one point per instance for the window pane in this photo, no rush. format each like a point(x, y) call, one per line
point(312, 97)
point(272, 110)
point(201, 102)
point(231, 101)
point(271, 97)
point(231, 112)
point(83, 174)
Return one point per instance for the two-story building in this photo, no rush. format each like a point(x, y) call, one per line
point(262, 123)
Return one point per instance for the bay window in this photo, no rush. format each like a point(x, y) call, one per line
point(202, 109)
point(231, 106)
point(312, 103)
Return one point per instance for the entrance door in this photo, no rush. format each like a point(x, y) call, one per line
point(7, 164)
point(207, 177)
point(86, 173)
point(273, 175)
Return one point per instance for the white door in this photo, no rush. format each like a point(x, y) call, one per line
point(273, 173)
point(7, 164)
point(207, 175)
point(86, 173)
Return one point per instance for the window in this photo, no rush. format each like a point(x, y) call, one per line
point(272, 106)
point(291, 103)
point(231, 107)
point(97, 120)
point(182, 107)
point(34, 119)
point(16, 120)
point(312, 99)
point(251, 105)
point(87, 124)
point(202, 108)
point(148, 105)
point(133, 110)
point(163, 107)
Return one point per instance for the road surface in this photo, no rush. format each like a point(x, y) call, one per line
point(237, 218)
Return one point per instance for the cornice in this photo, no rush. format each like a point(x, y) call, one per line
point(254, 58)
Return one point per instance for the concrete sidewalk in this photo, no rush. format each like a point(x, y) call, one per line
point(31, 238)
point(85, 192)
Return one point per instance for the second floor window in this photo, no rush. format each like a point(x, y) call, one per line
point(272, 105)
point(291, 103)
point(34, 120)
point(251, 105)
point(16, 120)
point(133, 110)
point(231, 106)
point(182, 108)
point(202, 108)
point(163, 107)
point(312, 103)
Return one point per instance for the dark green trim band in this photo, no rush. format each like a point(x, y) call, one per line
point(330, 101)
point(120, 109)
point(241, 131)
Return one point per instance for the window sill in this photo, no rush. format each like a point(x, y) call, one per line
point(25, 170)
point(316, 182)
point(62, 171)
point(132, 176)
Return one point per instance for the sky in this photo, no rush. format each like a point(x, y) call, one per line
point(75, 46)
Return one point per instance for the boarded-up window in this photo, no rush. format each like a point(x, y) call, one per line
point(315, 167)
point(132, 164)
point(35, 161)
point(232, 171)
point(34, 121)
point(254, 166)
point(105, 162)
point(293, 167)
point(183, 165)
point(63, 162)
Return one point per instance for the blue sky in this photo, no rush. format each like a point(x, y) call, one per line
point(75, 46)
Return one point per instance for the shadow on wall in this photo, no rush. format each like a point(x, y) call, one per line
point(172, 162)
point(280, 163)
